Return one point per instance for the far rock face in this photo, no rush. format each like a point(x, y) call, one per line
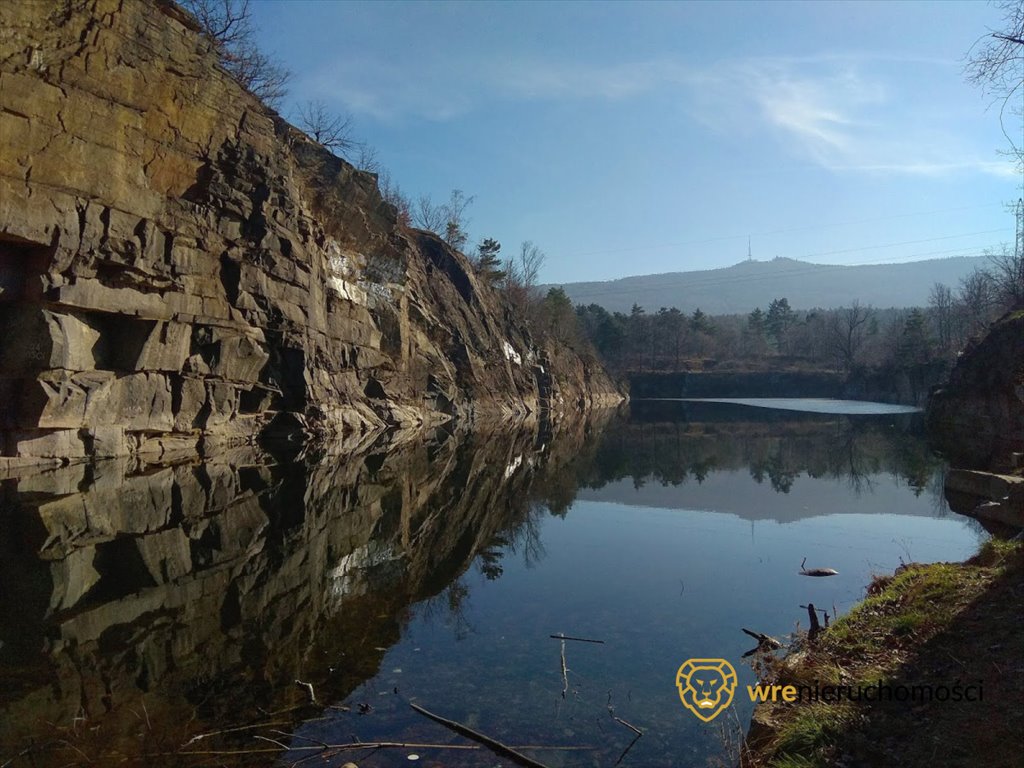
point(180, 269)
point(978, 417)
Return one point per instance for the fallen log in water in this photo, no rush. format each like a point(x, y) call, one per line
point(493, 744)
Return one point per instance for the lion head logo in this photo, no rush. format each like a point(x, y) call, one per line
point(706, 686)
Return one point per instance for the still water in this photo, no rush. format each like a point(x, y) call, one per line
point(146, 609)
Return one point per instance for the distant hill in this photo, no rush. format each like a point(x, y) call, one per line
point(750, 284)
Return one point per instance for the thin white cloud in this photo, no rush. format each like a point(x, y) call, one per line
point(846, 112)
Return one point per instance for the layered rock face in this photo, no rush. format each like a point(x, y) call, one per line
point(978, 417)
point(181, 270)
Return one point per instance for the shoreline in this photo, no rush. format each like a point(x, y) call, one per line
point(933, 626)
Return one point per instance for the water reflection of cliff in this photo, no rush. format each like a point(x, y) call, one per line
point(144, 606)
point(672, 454)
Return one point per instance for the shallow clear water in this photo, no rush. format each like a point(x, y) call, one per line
point(660, 570)
point(436, 572)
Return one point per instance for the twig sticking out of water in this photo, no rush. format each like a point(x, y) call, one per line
point(357, 745)
point(308, 687)
point(626, 751)
point(494, 745)
point(812, 614)
point(201, 736)
point(565, 672)
point(371, 745)
point(631, 727)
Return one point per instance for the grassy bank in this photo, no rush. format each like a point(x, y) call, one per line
point(927, 625)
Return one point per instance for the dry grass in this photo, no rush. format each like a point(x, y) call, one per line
point(918, 625)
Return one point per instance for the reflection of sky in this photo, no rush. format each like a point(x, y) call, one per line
point(735, 491)
point(662, 573)
point(659, 586)
point(810, 405)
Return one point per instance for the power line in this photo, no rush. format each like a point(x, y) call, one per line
point(905, 242)
point(580, 296)
point(788, 230)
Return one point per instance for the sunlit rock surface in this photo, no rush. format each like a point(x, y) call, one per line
point(181, 270)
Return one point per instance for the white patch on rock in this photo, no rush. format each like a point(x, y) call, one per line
point(511, 354)
point(344, 277)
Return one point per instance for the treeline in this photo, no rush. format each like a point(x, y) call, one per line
point(669, 339)
point(777, 335)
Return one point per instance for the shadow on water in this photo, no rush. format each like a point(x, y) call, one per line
point(147, 606)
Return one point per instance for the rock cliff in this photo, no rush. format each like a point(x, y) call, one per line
point(977, 418)
point(181, 270)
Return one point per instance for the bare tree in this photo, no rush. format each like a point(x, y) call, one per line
point(455, 227)
point(229, 25)
point(327, 128)
point(447, 219)
point(531, 259)
point(521, 276)
point(1006, 269)
point(996, 64)
point(941, 304)
point(227, 21)
point(428, 216)
point(393, 194)
point(975, 300)
point(847, 332)
point(365, 158)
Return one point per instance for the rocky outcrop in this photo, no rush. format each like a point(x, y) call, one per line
point(987, 496)
point(181, 270)
point(977, 419)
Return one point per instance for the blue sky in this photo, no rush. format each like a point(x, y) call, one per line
point(633, 138)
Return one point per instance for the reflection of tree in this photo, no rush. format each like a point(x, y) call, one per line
point(780, 476)
point(451, 605)
point(776, 449)
point(490, 558)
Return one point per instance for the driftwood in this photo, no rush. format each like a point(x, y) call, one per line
point(764, 642)
point(816, 571)
point(762, 639)
point(469, 733)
